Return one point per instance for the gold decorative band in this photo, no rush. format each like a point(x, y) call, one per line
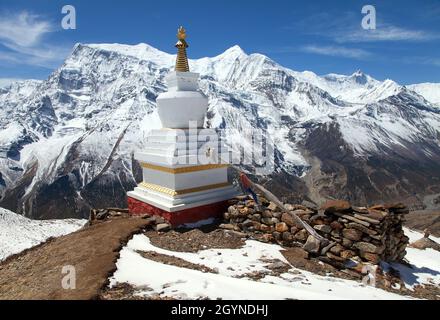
point(183, 169)
point(173, 193)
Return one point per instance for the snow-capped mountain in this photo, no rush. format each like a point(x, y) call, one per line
point(19, 233)
point(66, 143)
point(430, 91)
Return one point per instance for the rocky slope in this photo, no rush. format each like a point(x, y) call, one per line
point(66, 143)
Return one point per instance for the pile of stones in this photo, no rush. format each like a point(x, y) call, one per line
point(355, 234)
point(99, 215)
point(104, 214)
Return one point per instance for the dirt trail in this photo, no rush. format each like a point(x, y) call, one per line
point(93, 251)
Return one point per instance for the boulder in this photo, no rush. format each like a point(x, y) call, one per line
point(317, 219)
point(101, 214)
point(334, 257)
point(250, 203)
point(327, 248)
point(281, 227)
point(266, 237)
point(294, 230)
point(160, 219)
point(352, 234)
point(229, 226)
point(248, 223)
point(336, 225)
point(268, 221)
point(347, 243)
point(346, 218)
point(366, 218)
point(287, 236)
point(256, 217)
point(288, 219)
point(245, 211)
point(335, 234)
point(276, 235)
point(233, 211)
point(394, 206)
point(368, 247)
point(357, 226)
point(312, 245)
point(267, 214)
point(256, 225)
point(162, 227)
point(265, 228)
point(337, 249)
point(336, 206)
point(323, 228)
point(347, 254)
point(302, 212)
point(360, 209)
point(277, 214)
point(301, 235)
point(309, 204)
point(272, 207)
point(371, 257)
point(376, 214)
point(425, 243)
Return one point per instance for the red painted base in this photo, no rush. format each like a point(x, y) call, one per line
point(192, 215)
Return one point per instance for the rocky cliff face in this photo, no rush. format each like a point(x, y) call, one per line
point(66, 143)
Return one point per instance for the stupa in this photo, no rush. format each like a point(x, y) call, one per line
point(184, 177)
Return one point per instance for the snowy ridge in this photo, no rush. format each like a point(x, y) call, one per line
point(430, 91)
point(18, 233)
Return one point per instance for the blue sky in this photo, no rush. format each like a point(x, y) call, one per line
point(321, 36)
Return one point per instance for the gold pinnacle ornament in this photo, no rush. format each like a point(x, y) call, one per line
point(181, 45)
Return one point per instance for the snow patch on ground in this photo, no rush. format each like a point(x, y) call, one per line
point(150, 277)
point(425, 263)
point(18, 233)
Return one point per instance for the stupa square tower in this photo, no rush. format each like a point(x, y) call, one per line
point(184, 179)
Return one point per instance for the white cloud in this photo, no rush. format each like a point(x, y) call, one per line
point(22, 35)
point(422, 60)
point(23, 29)
point(337, 51)
point(346, 28)
point(8, 57)
point(383, 33)
point(45, 55)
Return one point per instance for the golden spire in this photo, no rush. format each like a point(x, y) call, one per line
point(181, 45)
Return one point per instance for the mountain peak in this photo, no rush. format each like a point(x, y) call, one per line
point(358, 73)
point(234, 51)
point(360, 77)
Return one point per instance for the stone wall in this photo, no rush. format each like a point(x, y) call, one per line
point(357, 235)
